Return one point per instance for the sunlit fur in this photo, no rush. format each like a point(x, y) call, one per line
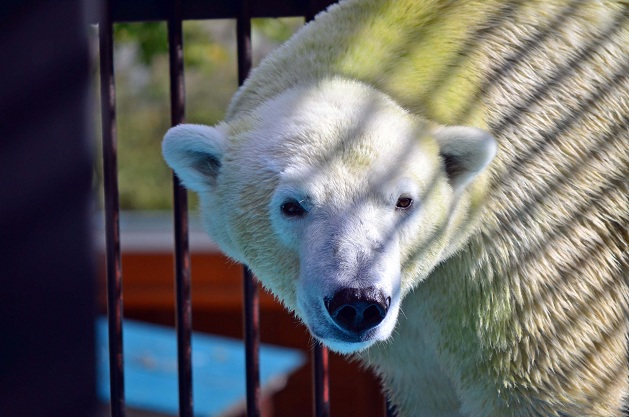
point(526, 315)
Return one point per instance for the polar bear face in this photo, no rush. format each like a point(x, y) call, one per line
point(339, 200)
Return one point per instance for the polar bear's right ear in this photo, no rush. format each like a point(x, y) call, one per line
point(194, 152)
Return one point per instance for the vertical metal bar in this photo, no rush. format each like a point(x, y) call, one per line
point(251, 296)
point(112, 213)
point(183, 303)
point(252, 344)
point(310, 11)
point(243, 32)
point(389, 409)
point(321, 381)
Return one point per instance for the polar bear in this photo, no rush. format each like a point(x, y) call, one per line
point(439, 188)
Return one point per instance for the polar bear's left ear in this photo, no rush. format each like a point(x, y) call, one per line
point(195, 153)
point(466, 151)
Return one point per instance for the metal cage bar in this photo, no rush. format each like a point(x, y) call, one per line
point(321, 385)
point(320, 362)
point(251, 296)
point(183, 299)
point(112, 213)
point(152, 10)
point(252, 343)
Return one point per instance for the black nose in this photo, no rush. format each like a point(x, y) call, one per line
point(358, 309)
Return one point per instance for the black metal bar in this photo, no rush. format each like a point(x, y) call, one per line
point(389, 409)
point(183, 299)
point(243, 33)
point(151, 10)
point(321, 381)
point(251, 296)
point(252, 343)
point(310, 10)
point(112, 213)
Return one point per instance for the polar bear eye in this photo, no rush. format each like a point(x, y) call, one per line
point(404, 203)
point(292, 208)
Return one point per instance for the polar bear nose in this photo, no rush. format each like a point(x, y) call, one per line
point(357, 309)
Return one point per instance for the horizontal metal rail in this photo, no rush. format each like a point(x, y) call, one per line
point(150, 10)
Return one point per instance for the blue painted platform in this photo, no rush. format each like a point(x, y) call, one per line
point(218, 369)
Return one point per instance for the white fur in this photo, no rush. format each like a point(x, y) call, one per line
point(352, 235)
point(508, 273)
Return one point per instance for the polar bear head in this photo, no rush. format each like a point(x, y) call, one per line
point(338, 199)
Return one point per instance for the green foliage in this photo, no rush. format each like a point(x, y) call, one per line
point(276, 30)
point(151, 38)
point(142, 94)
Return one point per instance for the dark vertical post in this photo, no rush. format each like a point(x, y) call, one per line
point(47, 273)
point(321, 381)
point(112, 212)
point(389, 409)
point(251, 297)
point(183, 316)
point(310, 11)
point(243, 33)
point(252, 343)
